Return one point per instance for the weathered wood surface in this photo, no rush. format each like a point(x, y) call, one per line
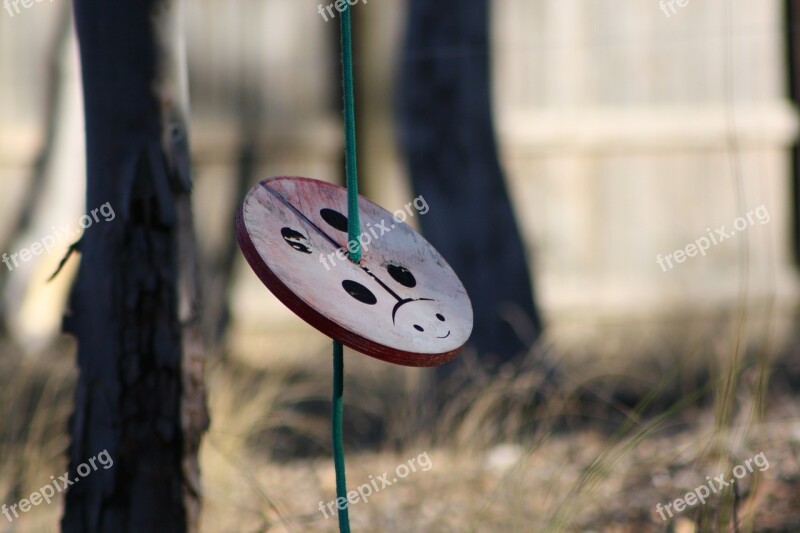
point(402, 303)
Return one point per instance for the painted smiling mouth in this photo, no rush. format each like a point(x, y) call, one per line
point(448, 334)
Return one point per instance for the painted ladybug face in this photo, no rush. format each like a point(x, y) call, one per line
point(402, 303)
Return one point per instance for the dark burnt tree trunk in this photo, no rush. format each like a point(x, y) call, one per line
point(445, 120)
point(134, 307)
point(792, 8)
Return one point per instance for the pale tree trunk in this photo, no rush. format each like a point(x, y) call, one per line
point(134, 307)
point(31, 202)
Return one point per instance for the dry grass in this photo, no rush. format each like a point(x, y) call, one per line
point(35, 404)
point(597, 453)
point(586, 458)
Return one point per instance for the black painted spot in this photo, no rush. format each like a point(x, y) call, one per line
point(402, 275)
point(359, 292)
point(440, 317)
point(334, 218)
point(296, 240)
point(418, 328)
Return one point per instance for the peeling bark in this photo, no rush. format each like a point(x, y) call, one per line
point(134, 307)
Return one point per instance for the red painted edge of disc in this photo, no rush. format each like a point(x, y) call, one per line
point(317, 319)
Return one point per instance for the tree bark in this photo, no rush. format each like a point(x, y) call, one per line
point(792, 42)
point(446, 130)
point(134, 307)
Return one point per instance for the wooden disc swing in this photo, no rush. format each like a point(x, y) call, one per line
point(379, 287)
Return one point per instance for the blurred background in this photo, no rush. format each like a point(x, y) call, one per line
point(626, 131)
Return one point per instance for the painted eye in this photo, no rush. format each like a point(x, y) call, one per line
point(359, 292)
point(334, 218)
point(402, 275)
point(440, 317)
point(418, 328)
point(296, 240)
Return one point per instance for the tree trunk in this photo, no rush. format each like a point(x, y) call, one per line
point(446, 130)
point(792, 42)
point(31, 202)
point(134, 306)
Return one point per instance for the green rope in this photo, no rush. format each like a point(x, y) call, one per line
point(338, 444)
point(353, 232)
point(351, 167)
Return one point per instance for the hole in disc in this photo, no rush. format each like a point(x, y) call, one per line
point(359, 292)
point(334, 218)
point(402, 275)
